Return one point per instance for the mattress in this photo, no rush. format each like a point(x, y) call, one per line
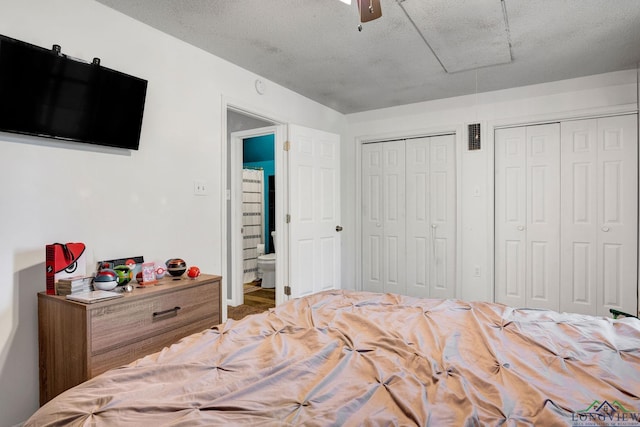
point(342, 358)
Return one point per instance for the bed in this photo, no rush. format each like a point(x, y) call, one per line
point(343, 358)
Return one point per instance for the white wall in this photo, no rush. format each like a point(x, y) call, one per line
point(119, 203)
point(613, 92)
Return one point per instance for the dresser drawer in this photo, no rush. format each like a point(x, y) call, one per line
point(124, 355)
point(122, 324)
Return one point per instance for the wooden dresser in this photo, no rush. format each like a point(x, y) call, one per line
point(79, 341)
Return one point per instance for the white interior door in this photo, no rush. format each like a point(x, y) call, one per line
point(600, 198)
point(383, 217)
point(543, 216)
point(442, 217)
point(527, 223)
point(314, 209)
point(618, 214)
point(510, 216)
point(431, 216)
point(567, 204)
point(372, 218)
point(409, 217)
point(393, 221)
point(418, 231)
point(579, 217)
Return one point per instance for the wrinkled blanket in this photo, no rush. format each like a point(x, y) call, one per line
point(342, 358)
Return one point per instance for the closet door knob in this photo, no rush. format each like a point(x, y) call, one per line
point(521, 228)
point(605, 229)
point(338, 228)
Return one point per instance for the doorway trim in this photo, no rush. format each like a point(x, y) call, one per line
point(282, 265)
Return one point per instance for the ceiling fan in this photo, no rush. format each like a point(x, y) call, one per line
point(369, 10)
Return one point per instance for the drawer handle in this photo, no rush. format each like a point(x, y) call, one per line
point(173, 311)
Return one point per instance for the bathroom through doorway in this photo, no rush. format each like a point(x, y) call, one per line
point(253, 213)
point(258, 220)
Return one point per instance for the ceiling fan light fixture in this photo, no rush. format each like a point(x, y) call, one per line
point(369, 10)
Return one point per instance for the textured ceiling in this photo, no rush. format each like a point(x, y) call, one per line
point(419, 50)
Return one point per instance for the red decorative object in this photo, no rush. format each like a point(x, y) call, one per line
point(62, 261)
point(193, 272)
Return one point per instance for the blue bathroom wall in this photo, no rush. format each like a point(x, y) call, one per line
point(258, 149)
point(258, 152)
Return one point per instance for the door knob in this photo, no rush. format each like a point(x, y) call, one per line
point(520, 227)
point(338, 228)
point(605, 229)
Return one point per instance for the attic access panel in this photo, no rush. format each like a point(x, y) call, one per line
point(463, 38)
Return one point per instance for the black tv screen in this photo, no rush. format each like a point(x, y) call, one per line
point(48, 94)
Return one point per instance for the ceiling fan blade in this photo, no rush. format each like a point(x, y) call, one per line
point(369, 10)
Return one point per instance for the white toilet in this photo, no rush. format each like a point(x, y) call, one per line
point(267, 266)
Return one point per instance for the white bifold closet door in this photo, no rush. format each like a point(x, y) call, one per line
point(566, 217)
point(409, 216)
point(527, 216)
point(600, 218)
point(383, 217)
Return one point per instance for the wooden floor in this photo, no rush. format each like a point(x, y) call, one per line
point(256, 300)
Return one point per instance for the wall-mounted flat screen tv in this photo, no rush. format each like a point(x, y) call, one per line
point(48, 94)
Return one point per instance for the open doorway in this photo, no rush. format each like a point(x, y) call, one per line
point(253, 198)
point(307, 207)
point(253, 214)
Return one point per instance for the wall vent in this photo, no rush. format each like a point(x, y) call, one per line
point(474, 136)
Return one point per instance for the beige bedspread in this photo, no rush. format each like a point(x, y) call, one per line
point(353, 358)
